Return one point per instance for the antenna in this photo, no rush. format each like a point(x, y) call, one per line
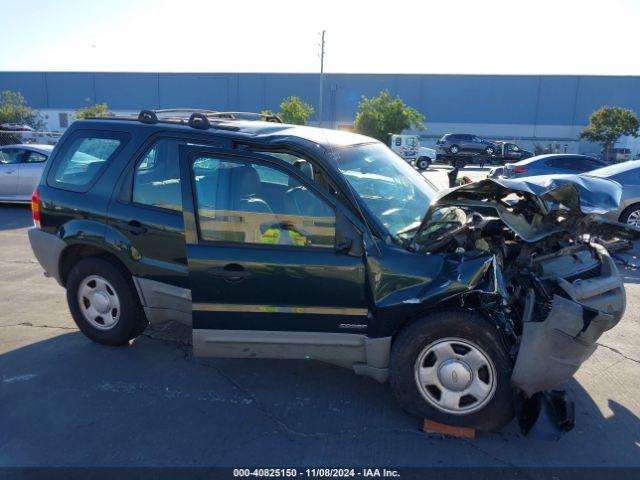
point(321, 79)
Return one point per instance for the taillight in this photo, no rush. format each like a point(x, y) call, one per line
point(519, 169)
point(35, 207)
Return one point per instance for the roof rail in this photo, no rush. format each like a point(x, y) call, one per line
point(268, 117)
point(185, 110)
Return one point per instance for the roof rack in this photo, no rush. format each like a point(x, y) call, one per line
point(200, 117)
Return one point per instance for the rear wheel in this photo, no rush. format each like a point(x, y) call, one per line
point(103, 302)
point(451, 367)
point(423, 163)
point(631, 215)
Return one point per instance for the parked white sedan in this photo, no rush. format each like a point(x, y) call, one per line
point(21, 167)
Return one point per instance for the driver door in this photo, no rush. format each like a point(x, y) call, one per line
point(265, 275)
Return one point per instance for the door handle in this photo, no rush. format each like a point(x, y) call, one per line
point(135, 227)
point(232, 272)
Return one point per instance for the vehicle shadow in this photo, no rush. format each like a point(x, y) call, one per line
point(628, 262)
point(68, 401)
point(15, 216)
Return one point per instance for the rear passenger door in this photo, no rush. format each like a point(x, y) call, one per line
point(145, 216)
point(467, 143)
point(31, 169)
point(266, 278)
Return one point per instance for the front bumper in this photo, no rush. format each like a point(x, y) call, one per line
point(552, 350)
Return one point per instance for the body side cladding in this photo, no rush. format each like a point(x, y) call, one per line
point(163, 302)
point(366, 356)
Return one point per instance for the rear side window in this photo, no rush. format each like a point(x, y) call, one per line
point(84, 158)
point(576, 164)
point(157, 177)
point(563, 163)
point(35, 157)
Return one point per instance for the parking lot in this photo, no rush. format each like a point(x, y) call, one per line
point(67, 401)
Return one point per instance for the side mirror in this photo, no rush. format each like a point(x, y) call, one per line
point(348, 237)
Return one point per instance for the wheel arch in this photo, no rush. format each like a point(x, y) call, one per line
point(416, 315)
point(72, 254)
point(628, 208)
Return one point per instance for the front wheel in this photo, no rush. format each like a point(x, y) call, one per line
point(451, 367)
point(103, 302)
point(454, 149)
point(423, 163)
point(489, 151)
point(631, 215)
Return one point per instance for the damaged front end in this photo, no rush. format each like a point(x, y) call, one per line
point(550, 288)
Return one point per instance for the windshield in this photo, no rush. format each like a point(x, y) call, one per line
point(393, 191)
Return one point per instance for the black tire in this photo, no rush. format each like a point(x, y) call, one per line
point(489, 150)
point(447, 324)
point(132, 320)
point(624, 216)
point(453, 149)
point(423, 163)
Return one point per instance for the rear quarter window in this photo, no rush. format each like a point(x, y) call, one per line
point(84, 156)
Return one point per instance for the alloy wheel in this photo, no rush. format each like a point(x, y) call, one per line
point(634, 218)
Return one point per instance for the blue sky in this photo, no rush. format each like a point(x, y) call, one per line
point(488, 36)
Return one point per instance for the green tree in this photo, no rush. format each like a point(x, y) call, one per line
point(14, 109)
point(608, 124)
point(381, 116)
point(293, 111)
point(97, 110)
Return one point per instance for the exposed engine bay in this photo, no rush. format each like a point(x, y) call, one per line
point(528, 256)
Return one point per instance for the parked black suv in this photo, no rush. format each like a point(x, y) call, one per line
point(283, 241)
point(455, 143)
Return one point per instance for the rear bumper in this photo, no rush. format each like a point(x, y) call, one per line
point(552, 350)
point(47, 249)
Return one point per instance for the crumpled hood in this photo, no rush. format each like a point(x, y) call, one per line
point(535, 207)
point(589, 194)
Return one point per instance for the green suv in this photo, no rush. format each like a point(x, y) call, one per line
point(281, 241)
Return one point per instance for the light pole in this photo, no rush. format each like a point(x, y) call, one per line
point(321, 79)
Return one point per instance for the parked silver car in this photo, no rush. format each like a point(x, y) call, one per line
point(626, 174)
point(552, 164)
point(20, 169)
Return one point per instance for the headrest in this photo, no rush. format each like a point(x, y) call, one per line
point(245, 180)
point(306, 169)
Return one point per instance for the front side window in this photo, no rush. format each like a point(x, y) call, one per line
point(395, 193)
point(11, 155)
point(156, 181)
point(249, 202)
point(84, 158)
